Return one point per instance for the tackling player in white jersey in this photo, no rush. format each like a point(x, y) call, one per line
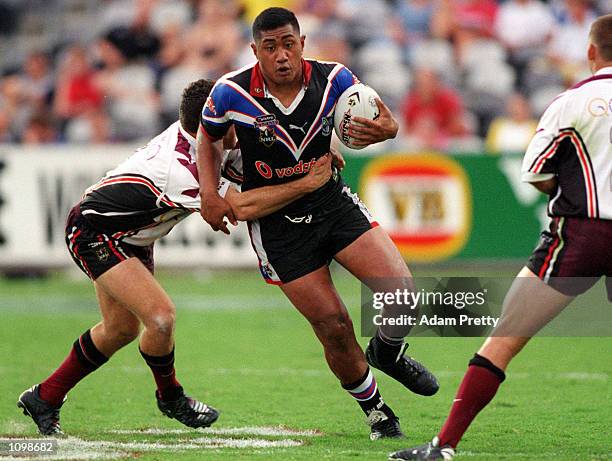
point(570, 159)
point(110, 235)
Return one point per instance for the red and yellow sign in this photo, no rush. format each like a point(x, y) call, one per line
point(424, 202)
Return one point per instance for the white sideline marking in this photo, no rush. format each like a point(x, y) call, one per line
point(73, 448)
point(248, 430)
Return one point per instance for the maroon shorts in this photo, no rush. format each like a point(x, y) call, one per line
point(95, 252)
point(574, 254)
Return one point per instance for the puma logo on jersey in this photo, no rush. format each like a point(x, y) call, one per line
point(300, 128)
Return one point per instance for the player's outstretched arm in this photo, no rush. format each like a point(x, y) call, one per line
point(263, 201)
point(213, 207)
point(366, 132)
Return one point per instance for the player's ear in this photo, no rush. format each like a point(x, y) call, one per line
point(592, 52)
point(302, 39)
point(254, 48)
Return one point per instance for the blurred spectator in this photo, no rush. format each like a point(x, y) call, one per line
point(570, 40)
point(431, 112)
point(464, 21)
point(363, 28)
point(136, 39)
point(412, 23)
point(9, 17)
point(129, 87)
point(512, 132)
point(92, 127)
point(5, 128)
point(40, 129)
point(214, 40)
point(38, 80)
point(524, 28)
point(13, 102)
point(76, 91)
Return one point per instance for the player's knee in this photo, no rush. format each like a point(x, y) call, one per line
point(161, 320)
point(335, 330)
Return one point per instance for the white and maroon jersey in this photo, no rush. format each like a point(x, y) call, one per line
point(574, 143)
point(144, 197)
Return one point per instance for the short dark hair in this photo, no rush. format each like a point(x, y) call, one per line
point(601, 36)
point(273, 18)
point(192, 102)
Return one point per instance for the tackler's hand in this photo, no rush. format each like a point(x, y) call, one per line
point(320, 173)
point(214, 209)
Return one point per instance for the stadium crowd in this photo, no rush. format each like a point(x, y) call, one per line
point(460, 74)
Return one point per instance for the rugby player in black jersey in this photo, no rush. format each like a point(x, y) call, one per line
point(282, 110)
point(110, 235)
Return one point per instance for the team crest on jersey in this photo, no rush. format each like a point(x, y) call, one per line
point(326, 126)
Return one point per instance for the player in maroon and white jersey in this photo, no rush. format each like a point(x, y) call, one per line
point(110, 235)
point(570, 159)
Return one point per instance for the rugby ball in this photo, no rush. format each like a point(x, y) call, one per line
point(358, 100)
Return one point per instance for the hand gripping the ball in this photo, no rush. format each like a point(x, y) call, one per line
point(365, 132)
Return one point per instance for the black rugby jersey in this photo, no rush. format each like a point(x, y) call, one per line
point(279, 144)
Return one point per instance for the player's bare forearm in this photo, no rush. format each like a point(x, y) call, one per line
point(256, 203)
point(208, 161)
point(548, 186)
point(213, 208)
point(263, 201)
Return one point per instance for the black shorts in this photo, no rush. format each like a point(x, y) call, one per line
point(291, 246)
point(574, 254)
point(96, 252)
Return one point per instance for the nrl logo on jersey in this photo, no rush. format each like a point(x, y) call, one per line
point(265, 124)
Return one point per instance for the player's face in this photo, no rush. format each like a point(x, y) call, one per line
point(279, 52)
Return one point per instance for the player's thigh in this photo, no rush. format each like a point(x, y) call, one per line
point(117, 319)
point(374, 256)
point(528, 306)
point(132, 285)
point(315, 297)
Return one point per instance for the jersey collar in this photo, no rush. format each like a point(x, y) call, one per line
point(258, 85)
point(188, 137)
point(604, 70)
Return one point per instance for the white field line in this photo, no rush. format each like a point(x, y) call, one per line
point(262, 431)
point(73, 448)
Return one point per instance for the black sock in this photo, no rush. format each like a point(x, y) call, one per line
point(385, 349)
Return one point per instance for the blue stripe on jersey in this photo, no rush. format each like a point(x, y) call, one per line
point(342, 80)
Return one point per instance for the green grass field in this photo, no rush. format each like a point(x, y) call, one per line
point(242, 348)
